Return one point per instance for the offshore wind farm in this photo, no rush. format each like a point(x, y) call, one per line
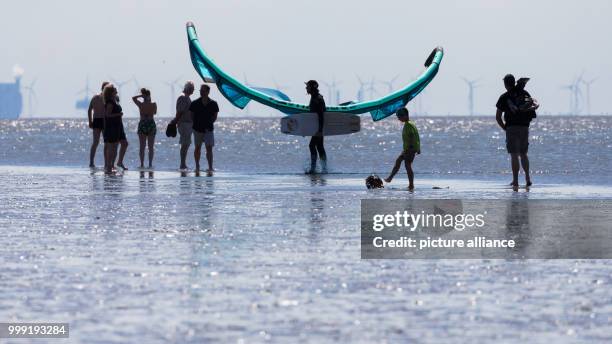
point(23, 100)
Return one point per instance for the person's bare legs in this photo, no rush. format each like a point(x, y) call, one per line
point(312, 146)
point(94, 146)
point(209, 157)
point(106, 160)
point(151, 144)
point(113, 155)
point(396, 167)
point(197, 152)
point(110, 152)
point(184, 150)
point(106, 156)
point(410, 175)
point(143, 141)
point(122, 150)
point(514, 158)
point(525, 164)
point(322, 155)
point(408, 159)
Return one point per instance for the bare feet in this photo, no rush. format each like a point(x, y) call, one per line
point(122, 166)
point(515, 185)
point(388, 180)
point(411, 187)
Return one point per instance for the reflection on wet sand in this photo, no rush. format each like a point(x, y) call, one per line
point(147, 181)
point(517, 224)
point(317, 205)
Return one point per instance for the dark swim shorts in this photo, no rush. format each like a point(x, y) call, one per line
point(147, 127)
point(98, 123)
point(517, 139)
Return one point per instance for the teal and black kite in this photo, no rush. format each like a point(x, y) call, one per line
point(239, 94)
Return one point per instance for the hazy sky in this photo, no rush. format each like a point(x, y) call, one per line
point(61, 43)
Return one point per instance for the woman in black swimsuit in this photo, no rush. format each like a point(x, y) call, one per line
point(113, 129)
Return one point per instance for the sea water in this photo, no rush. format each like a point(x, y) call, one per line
point(261, 252)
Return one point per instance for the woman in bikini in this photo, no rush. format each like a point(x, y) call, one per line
point(146, 127)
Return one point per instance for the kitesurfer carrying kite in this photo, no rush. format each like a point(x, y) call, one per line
point(317, 105)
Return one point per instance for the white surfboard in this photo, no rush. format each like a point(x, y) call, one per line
point(307, 124)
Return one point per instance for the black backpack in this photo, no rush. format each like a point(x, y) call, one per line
point(171, 129)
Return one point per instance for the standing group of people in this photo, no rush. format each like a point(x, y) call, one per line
point(106, 117)
point(196, 118)
point(192, 118)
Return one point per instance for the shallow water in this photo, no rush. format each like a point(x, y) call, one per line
point(258, 254)
point(578, 147)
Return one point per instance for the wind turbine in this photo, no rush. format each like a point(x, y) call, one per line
point(390, 83)
point(588, 93)
point(361, 90)
point(578, 94)
point(372, 88)
point(570, 89)
point(575, 95)
point(172, 86)
point(472, 84)
point(332, 90)
point(119, 85)
point(32, 98)
point(136, 83)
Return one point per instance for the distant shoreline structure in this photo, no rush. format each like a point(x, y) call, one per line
point(11, 100)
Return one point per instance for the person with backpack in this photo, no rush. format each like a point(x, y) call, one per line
point(518, 109)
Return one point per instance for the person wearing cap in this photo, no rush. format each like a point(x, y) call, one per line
point(516, 126)
point(411, 147)
point(317, 105)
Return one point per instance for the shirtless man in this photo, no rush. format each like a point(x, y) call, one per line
point(95, 114)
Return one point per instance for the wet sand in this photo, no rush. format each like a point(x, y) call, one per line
point(255, 257)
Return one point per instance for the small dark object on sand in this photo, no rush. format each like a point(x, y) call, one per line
point(374, 182)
